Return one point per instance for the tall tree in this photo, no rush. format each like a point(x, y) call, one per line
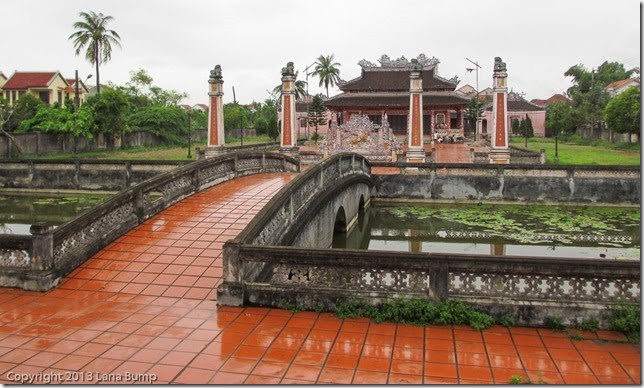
point(559, 118)
point(623, 112)
point(92, 34)
point(111, 110)
point(6, 112)
point(528, 130)
point(316, 115)
point(589, 98)
point(327, 71)
point(24, 109)
point(473, 111)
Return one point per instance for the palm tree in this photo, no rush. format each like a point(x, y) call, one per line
point(300, 88)
point(93, 34)
point(327, 71)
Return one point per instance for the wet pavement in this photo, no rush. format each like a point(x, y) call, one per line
point(144, 310)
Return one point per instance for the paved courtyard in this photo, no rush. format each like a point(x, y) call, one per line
point(144, 310)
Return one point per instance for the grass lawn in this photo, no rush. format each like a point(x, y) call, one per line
point(580, 154)
point(148, 153)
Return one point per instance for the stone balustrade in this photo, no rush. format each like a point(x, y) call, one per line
point(39, 261)
point(286, 214)
point(528, 288)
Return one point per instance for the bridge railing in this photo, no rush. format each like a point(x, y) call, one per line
point(277, 218)
point(529, 288)
point(39, 261)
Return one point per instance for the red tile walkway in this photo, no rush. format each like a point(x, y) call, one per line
point(144, 309)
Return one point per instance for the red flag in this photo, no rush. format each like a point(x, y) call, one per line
point(469, 70)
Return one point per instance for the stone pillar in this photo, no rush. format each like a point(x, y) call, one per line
point(332, 135)
point(216, 135)
point(479, 128)
point(500, 153)
point(415, 147)
point(42, 248)
point(288, 141)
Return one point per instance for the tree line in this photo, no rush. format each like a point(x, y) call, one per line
point(591, 106)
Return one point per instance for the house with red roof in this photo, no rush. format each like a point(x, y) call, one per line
point(3, 80)
point(50, 87)
point(554, 98)
point(83, 90)
point(619, 87)
point(518, 109)
point(185, 107)
point(200, 107)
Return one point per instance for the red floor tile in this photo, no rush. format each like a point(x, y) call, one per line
point(399, 378)
point(335, 375)
point(227, 378)
point(440, 370)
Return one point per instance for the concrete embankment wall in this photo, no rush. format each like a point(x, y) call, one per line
point(80, 175)
point(611, 185)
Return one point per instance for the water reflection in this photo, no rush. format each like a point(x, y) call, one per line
point(592, 233)
point(18, 212)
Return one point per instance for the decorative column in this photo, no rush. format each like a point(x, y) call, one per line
point(288, 141)
point(332, 135)
point(500, 153)
point(415, 147)
point(216, 135)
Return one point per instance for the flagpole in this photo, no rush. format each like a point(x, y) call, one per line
point(477, 76)
point(477, 96)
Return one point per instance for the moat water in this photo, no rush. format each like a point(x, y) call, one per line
point(511, 230)
point(18, 212)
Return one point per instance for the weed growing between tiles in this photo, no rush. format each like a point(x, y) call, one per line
point(624, 318)
point(518, 379)
point(417, 312)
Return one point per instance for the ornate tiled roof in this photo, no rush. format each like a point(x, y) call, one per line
point(393, 76)
point(394, 81)
point(394, 99)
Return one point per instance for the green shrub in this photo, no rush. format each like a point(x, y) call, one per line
point(626, 319)
point(416, 312)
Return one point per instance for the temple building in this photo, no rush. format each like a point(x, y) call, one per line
point(382, 91)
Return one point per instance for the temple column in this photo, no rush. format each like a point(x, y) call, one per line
point(500, 153)
point(216, 135)
point(288, 142)
point(415, 149)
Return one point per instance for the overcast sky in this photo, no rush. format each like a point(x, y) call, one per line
point(178, 42)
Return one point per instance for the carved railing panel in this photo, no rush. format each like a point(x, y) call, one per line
point(245, 164)
point(543, 287)
point(94, 231)
point(351, 278)
point(18, 258)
